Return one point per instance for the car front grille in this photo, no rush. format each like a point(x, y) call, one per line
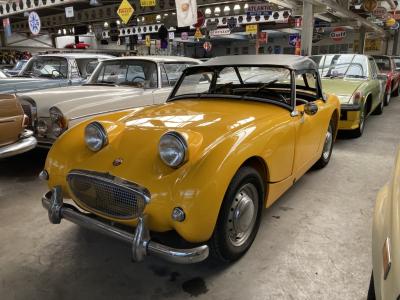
point(107, 194)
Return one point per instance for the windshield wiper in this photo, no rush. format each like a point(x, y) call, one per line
point(106, 83)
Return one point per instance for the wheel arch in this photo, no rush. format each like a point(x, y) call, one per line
point(368, 103)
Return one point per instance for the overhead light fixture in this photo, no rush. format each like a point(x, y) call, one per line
point(105, 25)
point(208, 12)
point(59, 31)
point(118, 22)
point(65, 31)
point(95, 3)
point(217, 11)
point(246, 6)
point(227, 9)
point(236, 8)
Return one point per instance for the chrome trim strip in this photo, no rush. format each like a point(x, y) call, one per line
point(21, 146)
point(141, 243)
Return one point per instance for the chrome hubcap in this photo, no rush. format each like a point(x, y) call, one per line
point(328, 143)
point(361, 120)
point(242, 215)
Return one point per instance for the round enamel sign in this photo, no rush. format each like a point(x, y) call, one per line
point(34, 23)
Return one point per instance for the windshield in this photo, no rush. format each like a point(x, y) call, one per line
point(135, 73)
point(342, 65)
point(45, 66)
point(258, 82)
point(19, 65)
point(383, 63)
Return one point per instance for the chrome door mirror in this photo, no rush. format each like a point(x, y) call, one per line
point(311, 108)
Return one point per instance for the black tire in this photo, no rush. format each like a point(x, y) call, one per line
point(396, 91)
point(371, 289)
point(328, 146)
point(387, 97)
point(379, 109)
point(222, 247)
point(360, 130)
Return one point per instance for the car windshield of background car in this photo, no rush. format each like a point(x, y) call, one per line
point(272, 83)
point(342, 65)
point(383, 63)
point(140, 74)
point(50, 67)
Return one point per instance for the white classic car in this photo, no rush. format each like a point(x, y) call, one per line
point(116, 84)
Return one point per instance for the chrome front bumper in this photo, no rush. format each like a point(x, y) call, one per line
point(26, 142)
point(140, 240)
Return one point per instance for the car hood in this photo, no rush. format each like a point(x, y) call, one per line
point(23, 84)
point(78, 101)
point(341, 87)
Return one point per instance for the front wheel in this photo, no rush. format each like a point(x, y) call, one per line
point(360, 130)
point(387, 99)
point(239, 216)
point(379, 109)
point(327, 150)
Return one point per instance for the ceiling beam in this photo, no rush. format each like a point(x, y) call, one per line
point(350, 15)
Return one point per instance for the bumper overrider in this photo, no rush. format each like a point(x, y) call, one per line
point(140, 239)
point(25, 143)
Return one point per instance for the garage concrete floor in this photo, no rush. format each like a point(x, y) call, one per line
point(314, 243)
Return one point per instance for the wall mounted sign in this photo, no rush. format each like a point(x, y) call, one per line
point(186, 12)
point(219, 32)
point(171, 35)
point(207, 46)
point(198, 35)
point(212, 25)
point(146, 3)
point(252, 28)
point(125, 11)
point(69, 12)
point(34, 23)
point(372, 44)
point(7, 27)
point(370, 5)
point(148, 41)
point(259, 9)
point(263, 37)
point(201, 19)
point(184, 36)
point(232, 23)
point(293, 38)
point(338, 34)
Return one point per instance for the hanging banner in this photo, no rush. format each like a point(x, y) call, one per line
point(219, 32)
point(69, 12)
point(186, 12)
point(146, 3)
point(34, 23)
point(252, 29)
point(7, 27)
point(125, 11)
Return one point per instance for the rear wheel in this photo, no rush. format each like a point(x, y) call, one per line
point(239, 217)
point(328, 146)
point(371, 289)
point(387, 99)
point(379, 109)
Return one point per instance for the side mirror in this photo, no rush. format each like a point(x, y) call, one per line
point(310, 108)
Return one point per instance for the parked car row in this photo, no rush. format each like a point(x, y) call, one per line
point(164, 144)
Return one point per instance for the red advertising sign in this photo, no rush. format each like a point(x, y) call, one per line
point(338, 34)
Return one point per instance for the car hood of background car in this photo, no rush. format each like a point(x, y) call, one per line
point(341, 87)
point(23, 84)
point(77, 101)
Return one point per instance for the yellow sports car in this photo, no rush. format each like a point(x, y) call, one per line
point(386, 241)
point(234, 135)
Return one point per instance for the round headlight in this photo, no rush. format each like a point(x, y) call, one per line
point(173, 149)
point(59, 124)
point(95, 136)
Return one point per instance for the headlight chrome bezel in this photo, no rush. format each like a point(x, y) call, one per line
point(58, 121)
point(102, 136)
point(180, 141)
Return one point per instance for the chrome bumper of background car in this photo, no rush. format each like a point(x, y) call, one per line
point(140, 240)
point(25, 143)
point(350, 107)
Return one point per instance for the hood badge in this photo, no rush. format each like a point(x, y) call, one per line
point(117, 162)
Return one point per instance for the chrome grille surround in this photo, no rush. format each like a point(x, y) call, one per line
point(108, 195)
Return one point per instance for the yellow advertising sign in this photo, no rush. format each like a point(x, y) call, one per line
point(372, 44)
point(144, 3)
point(148, 40)
point(125, 11)
point(198, 35)
point(252, 29)
point(150, 19)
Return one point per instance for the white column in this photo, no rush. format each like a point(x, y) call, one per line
point(307, 29)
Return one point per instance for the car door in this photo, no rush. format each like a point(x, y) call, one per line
point(310, 128)
point(376, 86)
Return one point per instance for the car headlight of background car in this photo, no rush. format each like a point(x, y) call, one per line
point(59, 123)
point(95, 136)
point(173, 149)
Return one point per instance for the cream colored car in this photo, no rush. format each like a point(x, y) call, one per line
point(385, 278)
point(116, 84)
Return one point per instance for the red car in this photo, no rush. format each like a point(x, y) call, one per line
point(79, 45)
point(387, 66)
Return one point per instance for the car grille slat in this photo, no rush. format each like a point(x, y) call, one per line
point(108, 195)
